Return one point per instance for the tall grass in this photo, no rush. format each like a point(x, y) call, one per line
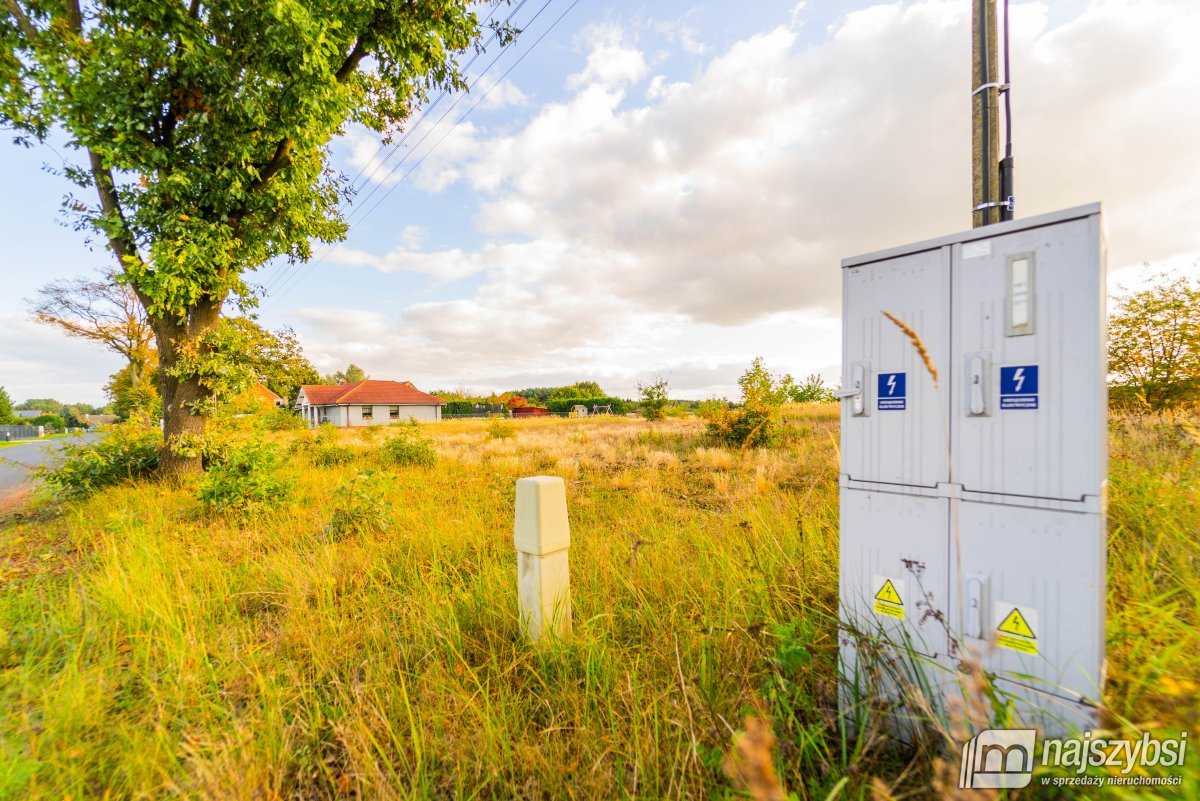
point(151, 649)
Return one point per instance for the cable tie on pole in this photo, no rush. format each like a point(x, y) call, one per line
point(992, 204)
point(1003, 87)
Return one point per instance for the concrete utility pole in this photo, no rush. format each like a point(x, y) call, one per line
point(985, 116)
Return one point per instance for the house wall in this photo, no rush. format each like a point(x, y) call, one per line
point(381, 416)
point(315, 415)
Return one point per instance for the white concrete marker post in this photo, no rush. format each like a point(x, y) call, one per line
point(542, 537)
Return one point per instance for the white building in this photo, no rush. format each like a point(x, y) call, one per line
point(367, 403)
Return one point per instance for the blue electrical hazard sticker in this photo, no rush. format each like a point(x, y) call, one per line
point(1019, 387)
point(891, 392)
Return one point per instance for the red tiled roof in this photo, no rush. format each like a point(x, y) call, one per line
point(369, 391)
point(263, 392)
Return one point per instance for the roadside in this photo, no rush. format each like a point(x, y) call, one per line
point(19, 442)
point(18, 459)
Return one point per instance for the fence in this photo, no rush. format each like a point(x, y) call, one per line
point(510, 416)
point(11, 433)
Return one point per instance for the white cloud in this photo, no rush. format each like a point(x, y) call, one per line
point(628, 231)
point(498, 95)
point(612, 62)
point(38, 362)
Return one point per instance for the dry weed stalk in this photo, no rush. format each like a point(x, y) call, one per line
point(751, 763)
point(968, 713)
point(917, 343)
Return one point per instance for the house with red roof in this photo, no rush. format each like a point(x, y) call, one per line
point(367, 403)
point(261, 394)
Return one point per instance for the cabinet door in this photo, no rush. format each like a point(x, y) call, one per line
point(1032, 590)
point(1029, 399)
point(894, 552)
point(894, 431)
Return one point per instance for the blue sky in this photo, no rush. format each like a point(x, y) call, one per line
point(667, 188)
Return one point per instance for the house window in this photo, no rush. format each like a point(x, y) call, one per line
point(368, 413)
point(394, 412)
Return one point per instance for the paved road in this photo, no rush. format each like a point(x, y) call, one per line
point(16, 460)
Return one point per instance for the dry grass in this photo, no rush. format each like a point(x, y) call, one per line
point(150, 651)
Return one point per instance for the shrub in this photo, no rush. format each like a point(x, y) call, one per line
point(499, 428)
point(811, 390)
point(410, 448)
point(124, 452)
point(756, 422)
point(361, 506)
point(246, 480)
point(326, 432)
point(282, 420)
point(654, 399)
point(370, 433)
point(458, 407)
point(50, 421)
point(331, 455)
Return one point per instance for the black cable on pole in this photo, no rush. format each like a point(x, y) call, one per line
point(984, 115)
point(1006, 164)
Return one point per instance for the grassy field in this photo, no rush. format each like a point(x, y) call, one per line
point(151, 649)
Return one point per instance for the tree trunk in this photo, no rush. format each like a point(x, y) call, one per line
point(181, 394)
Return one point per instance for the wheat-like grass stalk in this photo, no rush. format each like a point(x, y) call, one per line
point(917, 343)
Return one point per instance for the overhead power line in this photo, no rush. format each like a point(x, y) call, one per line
point(298, 275)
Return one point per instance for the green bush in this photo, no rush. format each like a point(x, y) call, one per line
point(561, 405)
point(124, 452)
point(654, 399)
point(755, 423)
point(51, 421)
point(410, 448)
point(360, 506)
point(811, 390)
point(499, 428)
point(247, 479)
point(330, 455)
point(457, 407)
point(282, 420)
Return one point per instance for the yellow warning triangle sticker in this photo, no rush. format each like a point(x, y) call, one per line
point(1015, 624)
point(888, 593)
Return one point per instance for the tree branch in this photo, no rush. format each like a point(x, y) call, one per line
point(23, 21)
point(360, 51)
point(281, 159)
point(74, 17)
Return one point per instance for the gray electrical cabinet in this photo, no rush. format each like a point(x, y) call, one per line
point(972, 503)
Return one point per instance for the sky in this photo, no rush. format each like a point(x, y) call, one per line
point(643, 189)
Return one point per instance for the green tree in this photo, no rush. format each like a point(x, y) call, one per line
point(580, 389)
point(6, 409)
point(1154, 345)
point(654, 398)
point(273, 358)
point(203, 128)
point(48, 405)
point(810, 390)
point(50, 421)
point(352, 374)
point(133, 393)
